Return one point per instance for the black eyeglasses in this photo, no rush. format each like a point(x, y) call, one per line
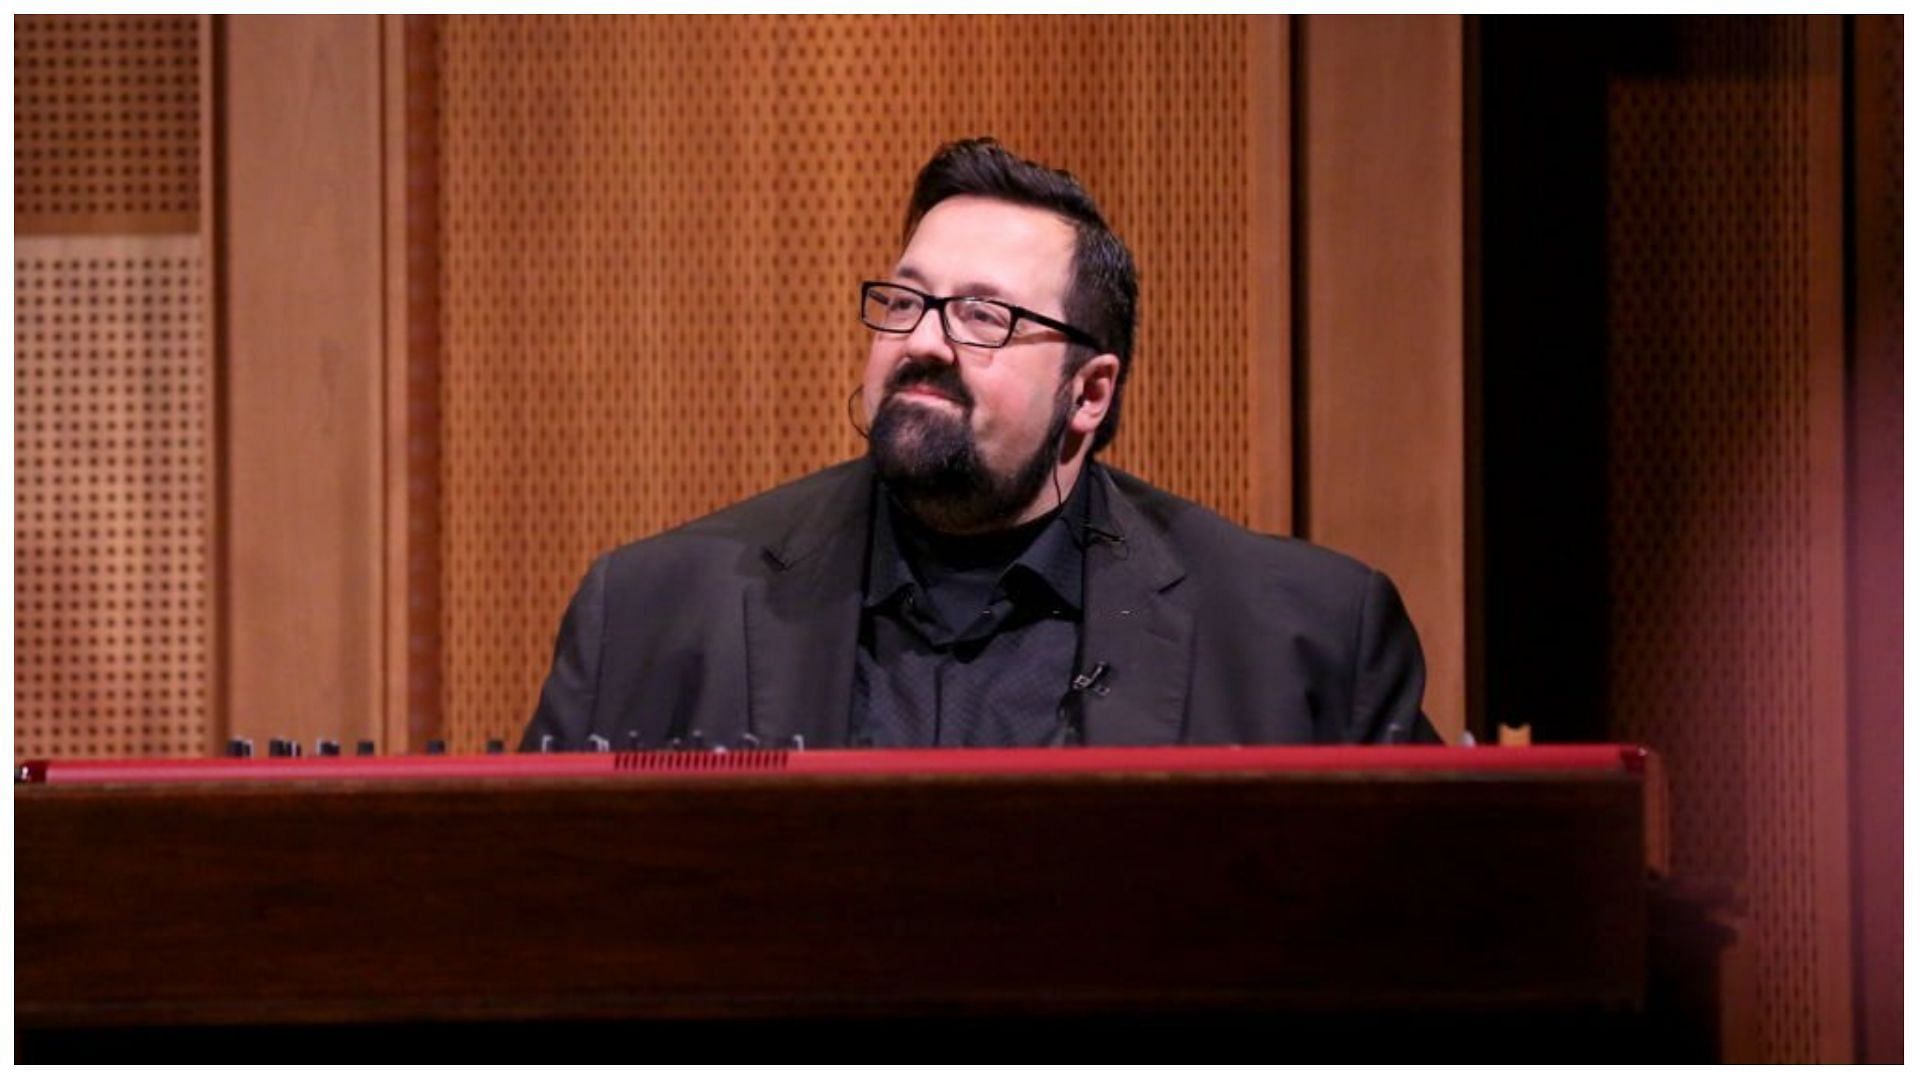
point(897, 309)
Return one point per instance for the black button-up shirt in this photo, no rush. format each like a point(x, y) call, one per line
point(970, 641)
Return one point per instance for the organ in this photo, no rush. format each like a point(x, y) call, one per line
point(1313, 891)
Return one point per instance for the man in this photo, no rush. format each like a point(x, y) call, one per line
point(979, 579)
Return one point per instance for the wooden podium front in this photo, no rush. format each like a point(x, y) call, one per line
point(1302, 891)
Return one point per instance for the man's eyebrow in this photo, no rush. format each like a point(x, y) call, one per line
point(980, 289)
point(975, 288)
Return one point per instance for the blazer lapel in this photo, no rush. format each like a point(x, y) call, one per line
point(1137, 629)
point(802, 620)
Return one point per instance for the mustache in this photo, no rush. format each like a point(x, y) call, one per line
point(941, 377)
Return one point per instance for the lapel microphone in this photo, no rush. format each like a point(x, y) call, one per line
point(1072, 710)
point(1095, 679)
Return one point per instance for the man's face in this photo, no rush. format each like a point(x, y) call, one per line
point(967, 434)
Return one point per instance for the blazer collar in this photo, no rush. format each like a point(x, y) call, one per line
point(1137, 626)
point(836, 511)
point(802, 616)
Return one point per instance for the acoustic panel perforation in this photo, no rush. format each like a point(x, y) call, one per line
point(106, 114)
point(1711, 497)
point(653, 230)
point(112, 500)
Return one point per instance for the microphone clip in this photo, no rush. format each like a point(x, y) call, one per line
point(1094, 680)
point(1072, 730)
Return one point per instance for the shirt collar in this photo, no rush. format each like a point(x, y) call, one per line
point(1055, 559)
point(887, 570)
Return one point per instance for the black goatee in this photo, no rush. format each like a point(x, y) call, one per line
point(931, 463)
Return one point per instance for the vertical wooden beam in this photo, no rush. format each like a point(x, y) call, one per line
point(1270, 269)
point(1474, 718)
point(1874, 549)
point(1382, 302)
point(394, 421)
point(417, 218)
point(305, 335)
point(1826, 528)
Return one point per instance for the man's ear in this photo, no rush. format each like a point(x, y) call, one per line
point(1093, 387)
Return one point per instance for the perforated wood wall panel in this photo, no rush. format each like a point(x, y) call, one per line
point(1715, 520)
point(653, 230)
point(112, 500)
point(106, 115)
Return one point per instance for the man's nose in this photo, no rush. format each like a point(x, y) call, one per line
point(929, 337)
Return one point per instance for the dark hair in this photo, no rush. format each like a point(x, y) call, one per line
point(1105, 291)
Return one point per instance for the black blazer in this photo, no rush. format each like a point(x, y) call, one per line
point(747, 621)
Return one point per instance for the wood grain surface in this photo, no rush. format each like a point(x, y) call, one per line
point(690, 898)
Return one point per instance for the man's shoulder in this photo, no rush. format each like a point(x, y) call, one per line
point(1203, 540)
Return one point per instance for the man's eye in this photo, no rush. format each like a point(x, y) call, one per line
point(986, 315)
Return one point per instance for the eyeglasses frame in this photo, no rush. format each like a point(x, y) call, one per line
point(929, 302)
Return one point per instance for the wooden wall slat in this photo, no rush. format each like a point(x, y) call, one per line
point(1269, 273)
point(1382, 301)
point(1874, 484)
point(305, 370)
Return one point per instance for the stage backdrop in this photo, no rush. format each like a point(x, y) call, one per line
point(343, 343)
